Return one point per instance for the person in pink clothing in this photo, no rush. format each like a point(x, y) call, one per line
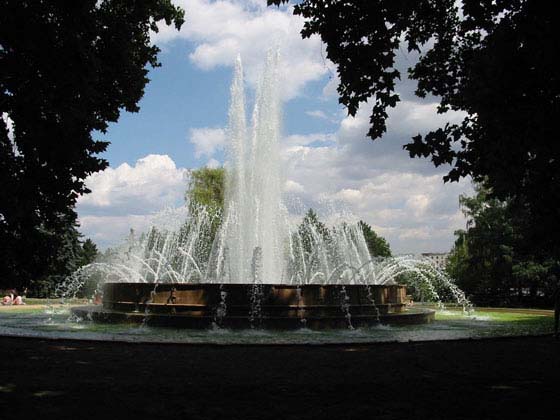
point(8, 299)
point(18, 300)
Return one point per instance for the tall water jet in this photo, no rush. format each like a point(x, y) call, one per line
point(250, 265)
point(236, 188)
point(252, 225)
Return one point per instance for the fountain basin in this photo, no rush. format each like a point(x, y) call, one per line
point(267, 306)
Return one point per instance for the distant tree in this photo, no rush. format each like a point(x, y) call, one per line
point(482, 258)
point(490, 259)
point(206, 187)
point(70, 256)
point(89, 252)
point(205, 197)
point(458, 261)
point(67, 69)
point(109, 254)
point(493, 60)
point(377, 245)
point(311, 230)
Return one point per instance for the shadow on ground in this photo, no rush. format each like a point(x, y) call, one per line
point(482, 379)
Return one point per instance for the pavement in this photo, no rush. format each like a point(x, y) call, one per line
point(503, 378)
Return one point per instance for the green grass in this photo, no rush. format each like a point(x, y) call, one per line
point(489, 323)
point(53, 301)
point(493, 316)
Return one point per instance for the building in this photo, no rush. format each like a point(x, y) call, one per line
point(438, 258)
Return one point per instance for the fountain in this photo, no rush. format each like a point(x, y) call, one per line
point(248, 266)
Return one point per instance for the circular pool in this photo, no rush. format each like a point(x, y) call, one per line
point(51, 322)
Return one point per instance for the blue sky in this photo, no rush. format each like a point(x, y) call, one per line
point(181, 96)
point(326, 154)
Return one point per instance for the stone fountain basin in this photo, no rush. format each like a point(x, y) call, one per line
point(271, 306)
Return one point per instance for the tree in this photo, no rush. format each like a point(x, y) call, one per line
point(311, 230)
point(205, 197)
point(490, 260)
point(70, 256)
point(89, 252)
point(377, 245)
point(483, 255)
point(67, 69)
point(206, 188)
point(493, 60)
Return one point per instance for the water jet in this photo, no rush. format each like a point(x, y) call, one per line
point(249, 266)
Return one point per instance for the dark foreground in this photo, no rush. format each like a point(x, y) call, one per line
point(486, 379)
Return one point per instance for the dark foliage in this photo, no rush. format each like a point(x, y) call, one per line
point(377, 245)
point(493, 60)
point(72, 254)
point(490, 260)
point(67, 69)
point(89, 252)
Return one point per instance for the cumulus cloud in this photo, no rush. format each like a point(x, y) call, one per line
point(317, 113)
point(313, 139)
point(207, 141)
point(330, 89)
point(293, 187)
point(222, 29)
point(152, 183)
point(213, 164)
point(404, 199)
point(109, 230)
point(126, 196)
point(415, 211)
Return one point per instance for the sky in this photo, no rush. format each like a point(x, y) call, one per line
point(325, 153)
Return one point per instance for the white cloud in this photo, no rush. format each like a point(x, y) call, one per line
point(222, 29)
point(293, 187)
point(414, 116)
point(349, 195)
point(404, 199)
point(330, 89)
point(207, 141)
point(415, 211)
point(109, 230)
point(152, 183)
point(421, 233)
point(127, 196)
point(417, 204)
point(213, 164)
point(317, 114)
point(296, 140)
point(398, 204)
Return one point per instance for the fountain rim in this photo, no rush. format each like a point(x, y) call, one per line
point(278, 285)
